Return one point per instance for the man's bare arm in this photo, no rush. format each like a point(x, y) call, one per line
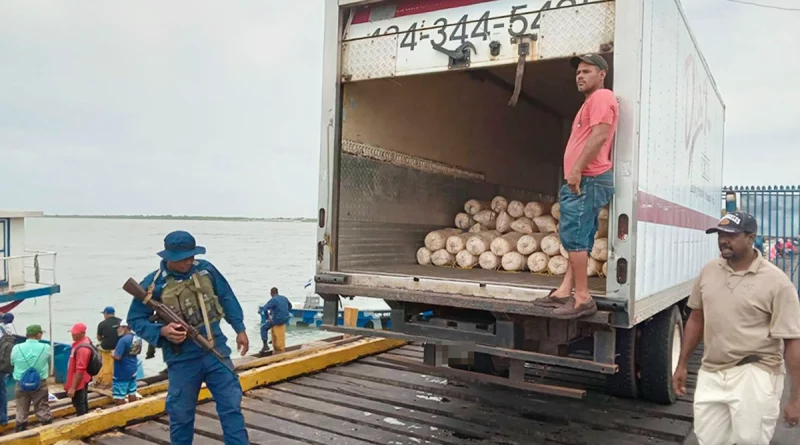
point(692, 335)
point(597, 138)
point(792, 356)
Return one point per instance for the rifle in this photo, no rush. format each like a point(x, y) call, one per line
point(165, 313)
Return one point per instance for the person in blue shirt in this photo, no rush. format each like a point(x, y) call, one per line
point(125, 364)
point(278, 312)
point(193, 288)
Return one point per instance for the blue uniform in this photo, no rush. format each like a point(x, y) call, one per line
point(279, 307)
point(193, 366)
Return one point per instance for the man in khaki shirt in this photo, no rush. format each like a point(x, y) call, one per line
point(744, 309)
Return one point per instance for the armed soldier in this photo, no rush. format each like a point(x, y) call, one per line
point(197, 292)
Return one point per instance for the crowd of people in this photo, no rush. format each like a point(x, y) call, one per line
point(29, 362)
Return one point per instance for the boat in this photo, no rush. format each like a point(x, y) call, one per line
point(26, 275)
point(310, 315)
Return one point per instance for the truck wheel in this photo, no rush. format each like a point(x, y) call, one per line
point(661, 347)
point(625, 382)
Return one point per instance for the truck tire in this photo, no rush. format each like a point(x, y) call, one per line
point(625, 382)
point(661, 347)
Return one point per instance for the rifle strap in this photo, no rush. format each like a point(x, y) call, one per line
point(152, 287)
point(201, 301)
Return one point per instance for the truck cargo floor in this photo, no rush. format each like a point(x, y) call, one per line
point(597, 285)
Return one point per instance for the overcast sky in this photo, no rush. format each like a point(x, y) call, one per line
point(190, 107)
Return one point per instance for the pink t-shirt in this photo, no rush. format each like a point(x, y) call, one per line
point(599, 108)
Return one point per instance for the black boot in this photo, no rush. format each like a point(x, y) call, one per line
point(265, 349)
point(21, 427)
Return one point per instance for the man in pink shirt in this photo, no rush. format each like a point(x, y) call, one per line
point(589, 185)
point(77, 376)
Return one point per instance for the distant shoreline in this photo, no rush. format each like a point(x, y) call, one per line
point(184, 218)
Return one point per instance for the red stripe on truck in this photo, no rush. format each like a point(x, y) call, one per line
point(655, 210)
point(412, 7)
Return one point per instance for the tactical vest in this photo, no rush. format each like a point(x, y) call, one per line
point(193, 297)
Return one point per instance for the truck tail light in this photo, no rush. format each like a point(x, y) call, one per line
point(622, 227)
point(622, 271)
point(321, 218)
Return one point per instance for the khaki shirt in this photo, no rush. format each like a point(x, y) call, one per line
point(746, 313)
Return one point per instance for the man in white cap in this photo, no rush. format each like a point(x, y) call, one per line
point(125, 364)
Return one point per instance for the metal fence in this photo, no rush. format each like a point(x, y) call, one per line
point(777, 210)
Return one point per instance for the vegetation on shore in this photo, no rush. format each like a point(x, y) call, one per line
point(187, 217)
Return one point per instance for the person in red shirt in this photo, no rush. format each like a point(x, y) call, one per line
point(589, 185)
point(77, 376)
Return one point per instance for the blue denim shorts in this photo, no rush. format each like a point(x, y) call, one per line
point(123, 388)
point(578, 223)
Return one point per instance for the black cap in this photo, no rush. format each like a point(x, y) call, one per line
point(592, 59)
point(736, 222)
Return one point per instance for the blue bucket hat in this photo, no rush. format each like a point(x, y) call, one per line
point(180, 245)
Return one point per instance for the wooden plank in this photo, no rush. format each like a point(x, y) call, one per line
point(60, 408)
point(207, 424)
point(287, 355)
point(158, 383)
point(537, 407)
point(446, 422)
point(300, 425)
point(405, 353)
point(105, 420)
point(316, 362)
point(351, 317)
point(681, 410)
point(156, 432)
point(308, 426)
point(362, 417)
point(118, 438)
point(428, 406)
point(494, 380)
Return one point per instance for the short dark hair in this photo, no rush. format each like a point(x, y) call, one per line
point(274, 290)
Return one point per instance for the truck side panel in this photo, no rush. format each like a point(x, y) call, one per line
point(680, 161)
point(627, 87)
point(330, 135)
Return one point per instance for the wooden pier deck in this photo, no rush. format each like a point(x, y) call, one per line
point(379, 402)
point(372, 401)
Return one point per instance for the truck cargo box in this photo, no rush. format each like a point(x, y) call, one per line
point(428, 104)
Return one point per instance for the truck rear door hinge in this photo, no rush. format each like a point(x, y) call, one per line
point(459, 57)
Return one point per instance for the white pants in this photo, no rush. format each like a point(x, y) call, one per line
point(738, 406)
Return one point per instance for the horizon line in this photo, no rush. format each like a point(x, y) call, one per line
point(183, 217)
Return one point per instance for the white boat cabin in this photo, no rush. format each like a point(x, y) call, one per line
point(23, 273)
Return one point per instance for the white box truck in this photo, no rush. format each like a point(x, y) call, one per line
point(418, 117)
